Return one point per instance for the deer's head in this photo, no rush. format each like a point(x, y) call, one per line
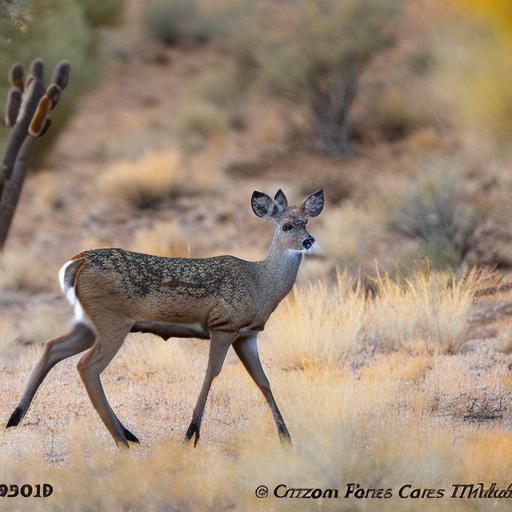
point(290, 221)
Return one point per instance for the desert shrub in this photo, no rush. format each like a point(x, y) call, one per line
point(175, 21)
point(13, 12)
point(436, 211)
point(53, 30)
point(197, 122)
point(315, 58)
point(152, 178)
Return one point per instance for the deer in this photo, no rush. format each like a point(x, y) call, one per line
point(224, 299)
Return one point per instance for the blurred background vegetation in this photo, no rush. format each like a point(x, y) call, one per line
point(400, 108)
point(55, 30)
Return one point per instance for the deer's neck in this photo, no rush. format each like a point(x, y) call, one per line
point(279, 271)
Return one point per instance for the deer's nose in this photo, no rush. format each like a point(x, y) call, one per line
point(308, 242)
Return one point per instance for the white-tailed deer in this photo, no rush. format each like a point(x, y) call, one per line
point(224, 299)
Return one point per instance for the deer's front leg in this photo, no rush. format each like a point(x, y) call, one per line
point(219, 345)
point(247, 350)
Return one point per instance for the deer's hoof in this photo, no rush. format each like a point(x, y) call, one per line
point(192, 431)
point(284, 437)
point(129, 436)
point(15, 417)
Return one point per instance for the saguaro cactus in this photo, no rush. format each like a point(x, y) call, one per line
point(26, 113)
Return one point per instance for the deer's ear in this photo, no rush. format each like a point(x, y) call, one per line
point(262, 204)
point(314, 204)
point(281, 201)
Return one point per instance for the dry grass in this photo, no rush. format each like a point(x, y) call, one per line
point(162, 239)
point(432, 308)
point(154, 177)
point(398, 418)
point(21, 271)
point(318, 325)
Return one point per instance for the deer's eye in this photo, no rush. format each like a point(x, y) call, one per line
point(287, 226)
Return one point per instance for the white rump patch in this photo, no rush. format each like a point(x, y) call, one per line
point(70, 294)
point(62, 274)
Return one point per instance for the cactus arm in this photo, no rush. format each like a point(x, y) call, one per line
point(34, 90)
point(26, 113)
point(12, 189)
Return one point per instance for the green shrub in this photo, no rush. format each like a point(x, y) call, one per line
point(175, 21)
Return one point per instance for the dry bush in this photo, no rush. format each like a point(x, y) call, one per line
point(474, 75)
point(397, 113)
point(150, 179)
point(40, 322)
point(220, 86)
point(225, 90)
point(102, 12)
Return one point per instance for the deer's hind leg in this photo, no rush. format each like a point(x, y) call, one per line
point(79, 339)
point(108, 342)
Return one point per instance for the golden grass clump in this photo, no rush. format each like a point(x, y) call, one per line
point(317, 324)
point(324, 325)
point(154, 177)
point(429, 307)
